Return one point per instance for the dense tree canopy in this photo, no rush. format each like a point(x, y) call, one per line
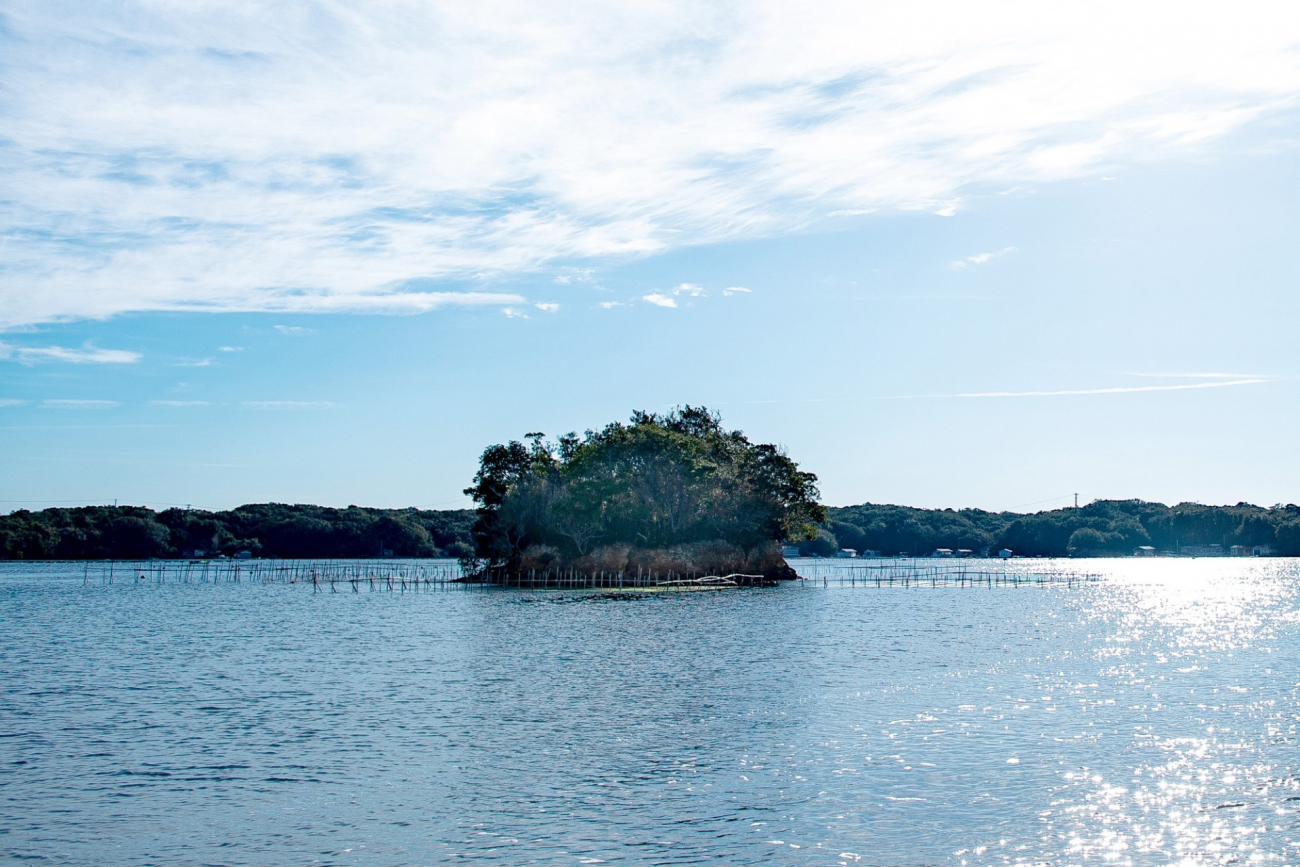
point(652, 483)
point(1104, 527)
point(268, 530)
point(656, 482)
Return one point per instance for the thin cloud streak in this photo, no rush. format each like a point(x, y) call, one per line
point(86, 355)
point(1132, 389)
point(1200, 375)
point(1069, 392)
point(60, 403)
point(288, 404)
point(352, 153)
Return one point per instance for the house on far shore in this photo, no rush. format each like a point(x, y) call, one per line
point(942, 552)
point(1005, 553)
point(1262, 551)
point(1238, 551)
point(788, 551)
point(1215, 550)
point(1144, 551)
point(847, 553)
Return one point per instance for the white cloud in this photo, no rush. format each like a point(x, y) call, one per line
point(293, 330)
point(981, 258)
point(230, 349)
point(288, 404)
point(736, 290)
point(86, 355)
point(549, 308)
point(669, 298)
point(195, 362)
point(9, 401)
point(514, 313)
point(80, 404)
point(319, 156)
point(180, 403)
point(610, 305)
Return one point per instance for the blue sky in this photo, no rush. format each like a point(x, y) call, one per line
point(312, 252)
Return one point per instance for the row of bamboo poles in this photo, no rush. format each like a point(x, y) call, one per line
point(355, 575)
point(927, 572)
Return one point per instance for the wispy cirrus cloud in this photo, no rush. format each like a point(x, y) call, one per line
point(180, 403)
point(85, 355)
point(1118, 389)
point(1212, 380)
point(10, 401)
point(325, 157)
point(288, 404)
point(62, 403)
point(1200, 375)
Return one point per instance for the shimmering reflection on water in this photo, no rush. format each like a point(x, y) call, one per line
point(1150, 718)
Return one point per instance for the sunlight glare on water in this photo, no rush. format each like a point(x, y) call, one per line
point(1147, 718)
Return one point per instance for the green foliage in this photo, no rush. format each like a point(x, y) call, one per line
point(1105, 527)
point(269, 530)
point(653, 483)
point(823, 544)
point(905, 530)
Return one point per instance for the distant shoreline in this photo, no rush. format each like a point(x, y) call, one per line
point(271, 530)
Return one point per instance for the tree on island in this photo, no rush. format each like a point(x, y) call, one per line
point(663, 493)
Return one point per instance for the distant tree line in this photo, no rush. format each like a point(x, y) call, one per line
point(263, 530)
point(1101, 528)
point(1105, 527)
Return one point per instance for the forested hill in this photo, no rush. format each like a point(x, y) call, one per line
point(264, 530)
point(275, 530)
point(1104, 527)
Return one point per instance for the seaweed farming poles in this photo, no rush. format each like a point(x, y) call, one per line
point(926, 572)
point(321, 574)
point(331, 576)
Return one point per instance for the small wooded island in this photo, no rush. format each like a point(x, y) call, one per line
point(673, 496)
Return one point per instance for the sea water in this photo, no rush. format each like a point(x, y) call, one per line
point(1149, 717)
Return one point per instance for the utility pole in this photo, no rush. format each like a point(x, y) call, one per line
point(1076, 501)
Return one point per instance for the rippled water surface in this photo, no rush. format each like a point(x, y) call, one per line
point(1148, 718)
